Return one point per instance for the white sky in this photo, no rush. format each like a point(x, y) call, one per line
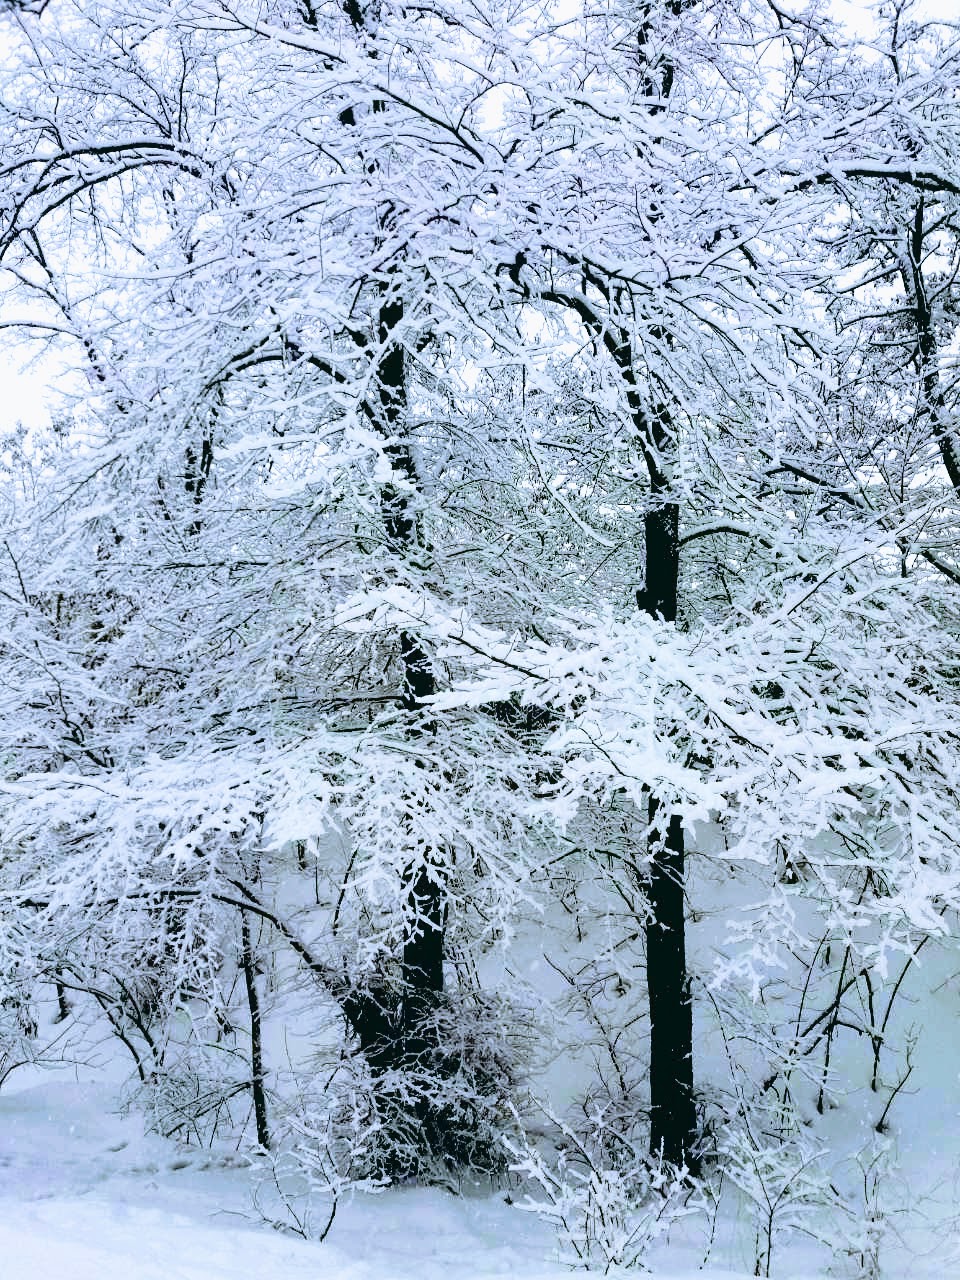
point(32, 387)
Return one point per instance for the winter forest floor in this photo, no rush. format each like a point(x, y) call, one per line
point(86, 1195)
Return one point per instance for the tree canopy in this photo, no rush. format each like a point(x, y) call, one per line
point(513, 484)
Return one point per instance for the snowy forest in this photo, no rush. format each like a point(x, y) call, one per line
point(480, 613)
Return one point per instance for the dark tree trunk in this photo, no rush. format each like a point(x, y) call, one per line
point(931, 400)
point(673, 1117)
point(402, 1037)
point(422, 960)
point(393, 1027)
point(257, 1076)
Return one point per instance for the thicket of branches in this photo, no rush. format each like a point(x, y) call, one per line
point(504, 456)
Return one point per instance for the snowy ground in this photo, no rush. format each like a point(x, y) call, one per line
point(84, 1195)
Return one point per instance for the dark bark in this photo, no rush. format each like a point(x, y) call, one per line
point(398, 1029)
point(195, 481)
point(931, 395)
point(257, 1076)
point(422, 959)
point(661, 529)
point(673, 1117)
point(63, 1004)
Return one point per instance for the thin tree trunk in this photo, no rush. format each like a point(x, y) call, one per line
point(256, 1035)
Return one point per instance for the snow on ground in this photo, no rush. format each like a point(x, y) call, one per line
point(85, 1195)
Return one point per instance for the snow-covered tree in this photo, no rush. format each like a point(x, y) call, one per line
point(484, 460)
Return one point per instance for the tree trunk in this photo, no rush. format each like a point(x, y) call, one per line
point(404, 1039)
point(673, 1118)
point(396, 1028)
point(422, 961)
point(256, 1038)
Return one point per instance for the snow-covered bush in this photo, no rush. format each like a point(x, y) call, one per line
point(18, 1032)
point(435, 1115)
point(781, 1176)
point(866, 1223)
point(609, 1201)
point(327, 1150)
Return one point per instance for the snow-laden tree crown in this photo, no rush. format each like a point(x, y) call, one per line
point(513, 493)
